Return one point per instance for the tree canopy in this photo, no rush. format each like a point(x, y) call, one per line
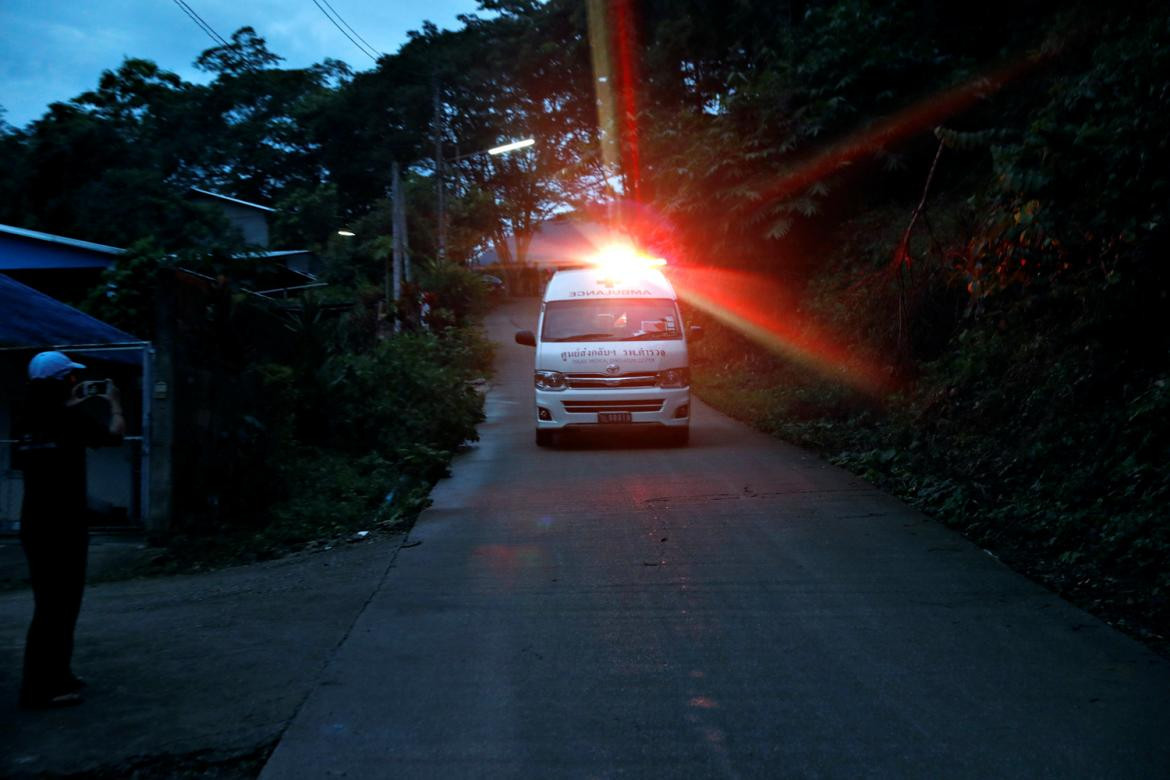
point(748, 127)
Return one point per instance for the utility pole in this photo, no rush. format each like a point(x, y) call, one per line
point(397, 243)
point(441, 211)
point(400, 229)
point(604, 79)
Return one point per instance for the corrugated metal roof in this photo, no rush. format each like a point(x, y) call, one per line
point(237, 201)
point(33, 320)
point(284, 252)
point(49, 239)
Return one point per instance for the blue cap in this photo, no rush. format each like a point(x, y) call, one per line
point(51, 365)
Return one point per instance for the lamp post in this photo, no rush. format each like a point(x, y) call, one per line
point(440, 187)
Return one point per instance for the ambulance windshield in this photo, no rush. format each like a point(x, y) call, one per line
point(614, 319)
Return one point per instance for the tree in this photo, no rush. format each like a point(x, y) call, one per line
point(260, 120)
point(246, 53)
point(523, 73)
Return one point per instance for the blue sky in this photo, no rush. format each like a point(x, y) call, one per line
point(53, 50)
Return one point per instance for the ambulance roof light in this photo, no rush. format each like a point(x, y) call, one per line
point(623, 258)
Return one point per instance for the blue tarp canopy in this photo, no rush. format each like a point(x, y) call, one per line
point(32, 320)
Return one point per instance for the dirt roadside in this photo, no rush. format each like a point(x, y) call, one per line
point(192, 675)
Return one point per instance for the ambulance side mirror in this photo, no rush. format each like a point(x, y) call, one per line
point(696, 333)
point(526, 338)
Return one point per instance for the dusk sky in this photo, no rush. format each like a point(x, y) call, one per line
point(53, 50)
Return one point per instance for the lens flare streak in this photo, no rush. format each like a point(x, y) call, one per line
point(918, 118)
point(749, 302)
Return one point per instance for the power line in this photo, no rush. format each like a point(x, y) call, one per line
point(366, 50)
point(199, 21)
point(355, 32)
point(202, 24)
point(347, 35)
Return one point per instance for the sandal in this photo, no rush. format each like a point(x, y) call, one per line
point(67, 699)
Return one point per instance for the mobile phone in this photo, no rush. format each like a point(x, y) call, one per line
point(95, 387)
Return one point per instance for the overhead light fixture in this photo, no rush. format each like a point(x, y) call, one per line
point(346, 233)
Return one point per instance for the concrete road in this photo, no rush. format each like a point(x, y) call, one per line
point(189, 671)
point(734, 609)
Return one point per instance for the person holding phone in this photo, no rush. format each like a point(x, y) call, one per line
point(52, 435)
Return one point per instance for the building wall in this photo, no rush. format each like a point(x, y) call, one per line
point(109, 472)
point(303, 262)
point(252, 223)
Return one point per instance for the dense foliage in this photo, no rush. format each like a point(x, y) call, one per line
point(308, 421)
point(367, 453)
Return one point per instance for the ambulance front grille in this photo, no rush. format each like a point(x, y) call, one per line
point(604, 381)
point(587, 407)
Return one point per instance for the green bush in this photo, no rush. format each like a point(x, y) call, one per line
point(409, 392)
point(388, 422)
point(328, 430)
point(455, 294)
point(330, 494)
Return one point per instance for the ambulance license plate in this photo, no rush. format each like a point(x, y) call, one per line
point(614, 417)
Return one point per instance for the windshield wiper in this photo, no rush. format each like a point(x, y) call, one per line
point(651, 335)
point(584, 337)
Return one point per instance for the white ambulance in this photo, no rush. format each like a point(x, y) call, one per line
point(611, 352)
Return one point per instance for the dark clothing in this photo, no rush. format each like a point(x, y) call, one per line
point(52, 438)
point(56, 564)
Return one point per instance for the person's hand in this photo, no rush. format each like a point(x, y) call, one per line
point(117, 420)
point(113, 394)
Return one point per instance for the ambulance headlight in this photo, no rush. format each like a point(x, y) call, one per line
point(674, 377)
point(550, 380)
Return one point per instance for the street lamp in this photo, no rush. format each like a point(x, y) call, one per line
point(495, 150)
point(512, 146)
point(442, 215)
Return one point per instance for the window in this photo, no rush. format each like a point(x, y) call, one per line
point(621, 319)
